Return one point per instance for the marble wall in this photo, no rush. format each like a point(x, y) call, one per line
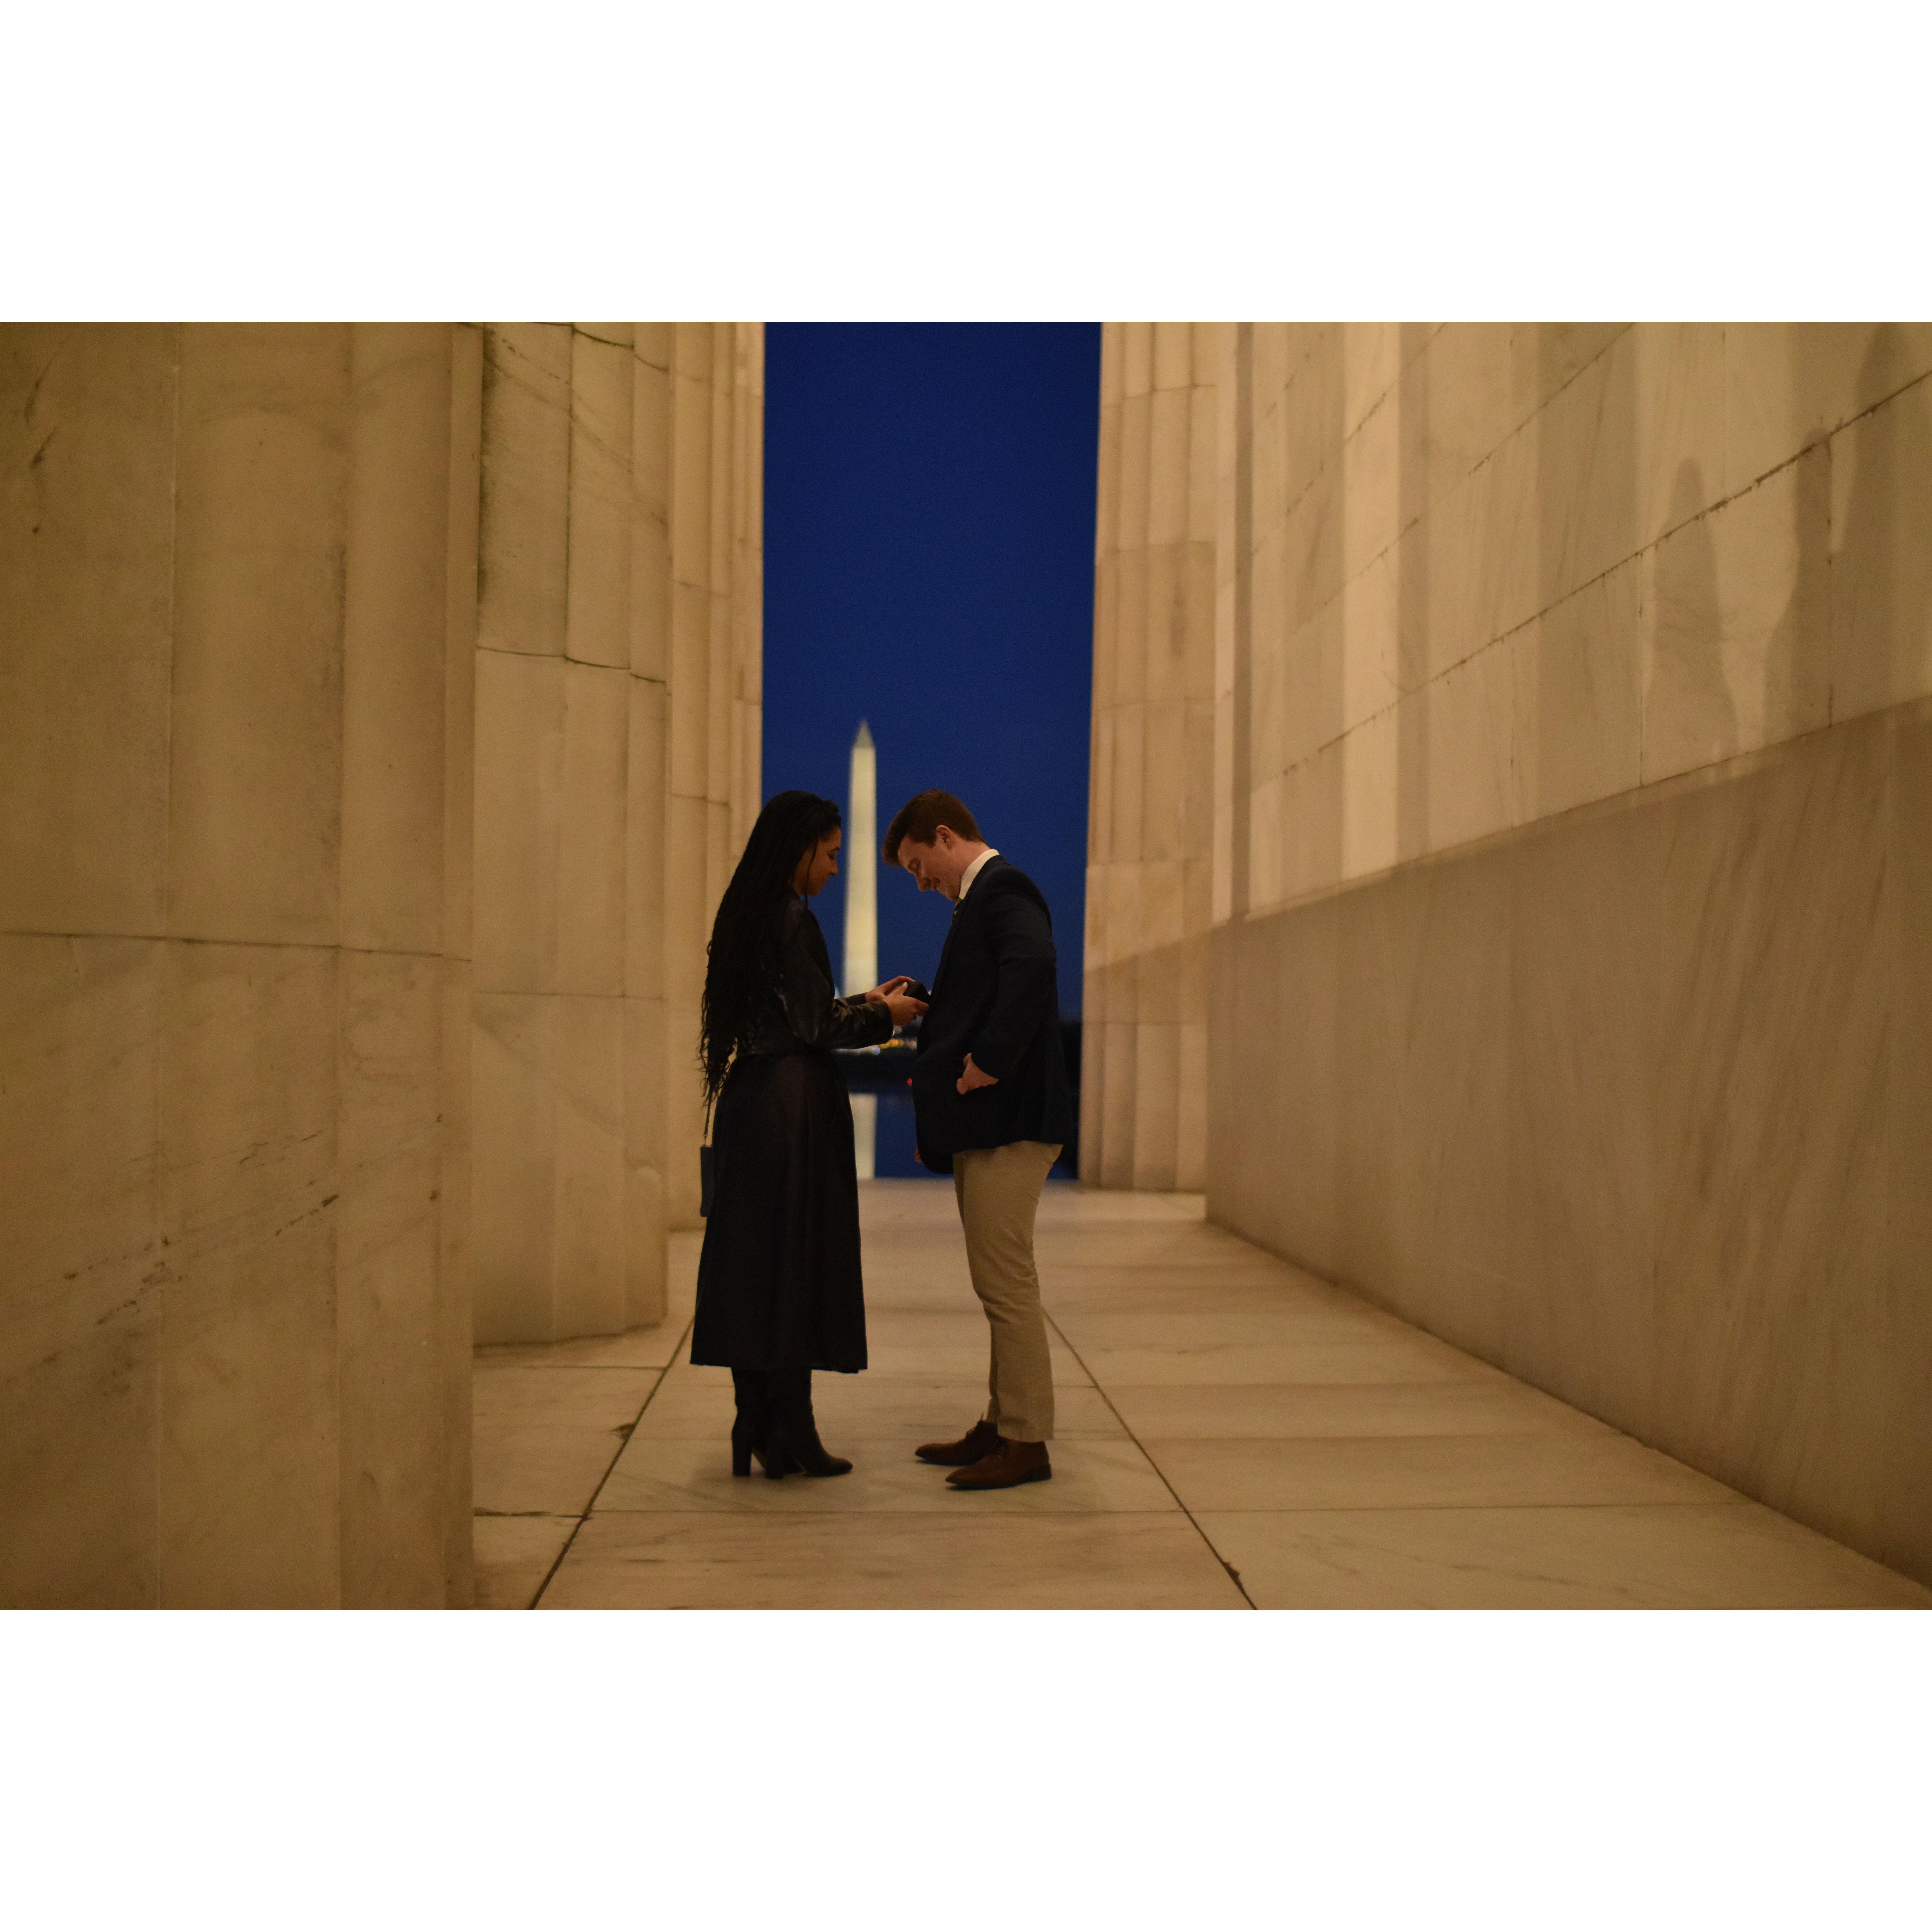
point(1573, 869)
point(1488, 573)
point(1143, 1087)
point(237, 569)
point(618, 733)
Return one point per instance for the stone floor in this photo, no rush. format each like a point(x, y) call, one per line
point(1232, 1431)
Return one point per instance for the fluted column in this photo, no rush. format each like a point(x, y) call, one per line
point(236, 564)
point(748, 595)
point(689, 901)
point(647, 785)
point(1149, 885)
point(617, 770)
point(716, 544)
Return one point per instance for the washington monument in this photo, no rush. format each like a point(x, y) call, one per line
point(862, 868)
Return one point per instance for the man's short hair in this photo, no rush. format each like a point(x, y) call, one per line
point(919, 819)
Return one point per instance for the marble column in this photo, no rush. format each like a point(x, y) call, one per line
point(617, 643)
point(747, 587)
point(715, 522)
point(1151, 821)
point(234, 1330)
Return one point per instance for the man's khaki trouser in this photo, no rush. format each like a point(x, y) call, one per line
point(998, 1189)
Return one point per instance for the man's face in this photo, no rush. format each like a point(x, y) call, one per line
point(935, 868)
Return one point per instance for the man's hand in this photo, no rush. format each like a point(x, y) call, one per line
point(972, 1078)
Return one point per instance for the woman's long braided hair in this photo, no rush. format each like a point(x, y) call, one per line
point(743, 954)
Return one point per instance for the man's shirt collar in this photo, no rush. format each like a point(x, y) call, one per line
point(971, 873)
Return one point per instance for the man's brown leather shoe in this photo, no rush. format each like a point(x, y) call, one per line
point(981, 1440)
point(1009, 1464)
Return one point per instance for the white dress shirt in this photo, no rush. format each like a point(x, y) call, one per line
point(972, 872)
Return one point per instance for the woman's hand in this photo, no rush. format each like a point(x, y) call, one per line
point(900, 1005)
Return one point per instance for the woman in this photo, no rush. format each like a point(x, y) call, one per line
point(778, 1288)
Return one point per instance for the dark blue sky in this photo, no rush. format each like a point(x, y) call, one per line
point(929, 567)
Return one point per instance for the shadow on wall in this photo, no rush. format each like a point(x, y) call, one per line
point(1686, 679)
point(1583, 476)
point(1853, 635)
point(1797, 694)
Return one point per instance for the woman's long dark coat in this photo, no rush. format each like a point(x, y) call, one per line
point(779, 1282)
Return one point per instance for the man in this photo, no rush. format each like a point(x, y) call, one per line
point(991, 1101)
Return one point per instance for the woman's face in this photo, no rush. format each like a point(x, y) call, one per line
point(818, 865)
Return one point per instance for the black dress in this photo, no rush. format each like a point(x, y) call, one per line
point(778, 1281)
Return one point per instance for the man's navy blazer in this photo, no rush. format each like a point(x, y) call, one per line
point(996, 996)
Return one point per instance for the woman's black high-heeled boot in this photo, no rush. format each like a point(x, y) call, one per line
point(792, 1442)
point(753, 1422)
